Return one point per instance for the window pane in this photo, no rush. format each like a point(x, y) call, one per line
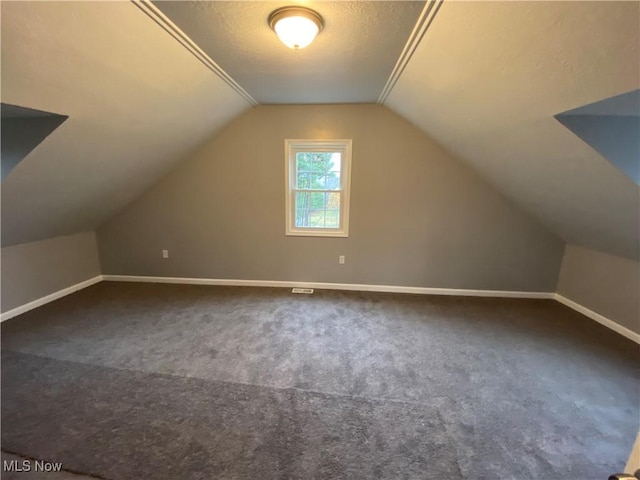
point(317, 209)
point(332, 219)
point(318, 194)
point(302, 218)
point(303, 180)
point(333, 201)
point(310, 209)
point(316, 181)
point(316, 200)
point(302, 209)
point(323, 169)
point(336, 161)
point(310, 218)
point(305, 200)
point(316, 219)
point(318, 162)
point(302, 201)
point(333, 171)
point(333, 181)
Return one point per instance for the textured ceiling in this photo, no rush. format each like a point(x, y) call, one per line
point(486, 82)
point(349, 62)
point(137, 101)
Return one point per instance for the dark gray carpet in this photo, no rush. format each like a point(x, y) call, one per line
point(130, 425)
point(162, 381)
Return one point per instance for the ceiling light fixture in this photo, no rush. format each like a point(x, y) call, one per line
point(296, 27)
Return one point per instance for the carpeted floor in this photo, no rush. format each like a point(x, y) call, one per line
point(145, 381)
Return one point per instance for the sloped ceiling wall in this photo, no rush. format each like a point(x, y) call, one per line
point(486, 82)
point(137, 100)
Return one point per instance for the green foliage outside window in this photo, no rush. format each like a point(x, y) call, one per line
point(318, 205)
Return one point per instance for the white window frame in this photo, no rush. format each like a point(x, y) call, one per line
point(292, 147)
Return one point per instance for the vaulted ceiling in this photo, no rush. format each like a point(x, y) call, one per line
point(144, 84)
point(136, 99)
point(349, 62)
point(486, 82)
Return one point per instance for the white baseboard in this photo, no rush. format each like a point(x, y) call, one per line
point(331, 286)
point(49, 298)
point(601, 319)
point(328, 286)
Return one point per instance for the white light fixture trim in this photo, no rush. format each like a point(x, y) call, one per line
point(296, 26)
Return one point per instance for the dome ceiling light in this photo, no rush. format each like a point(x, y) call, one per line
point(296, 26)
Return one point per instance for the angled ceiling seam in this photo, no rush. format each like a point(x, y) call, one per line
point(422, 25)
point(172, 29)
point(116, 64)
point(420, 28)
point(490, 98)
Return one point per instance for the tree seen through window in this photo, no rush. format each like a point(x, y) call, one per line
point(317, 196)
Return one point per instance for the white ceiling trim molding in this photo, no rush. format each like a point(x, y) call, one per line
point(424, 21)
point(172, 29)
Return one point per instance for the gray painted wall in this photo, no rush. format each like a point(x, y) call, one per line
point(419, 217)
point(603, 283)
point(33, 270)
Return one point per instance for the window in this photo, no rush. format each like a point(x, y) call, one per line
point(318, 179)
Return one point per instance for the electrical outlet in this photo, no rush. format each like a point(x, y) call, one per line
point(341, 259)
point(165, 253)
